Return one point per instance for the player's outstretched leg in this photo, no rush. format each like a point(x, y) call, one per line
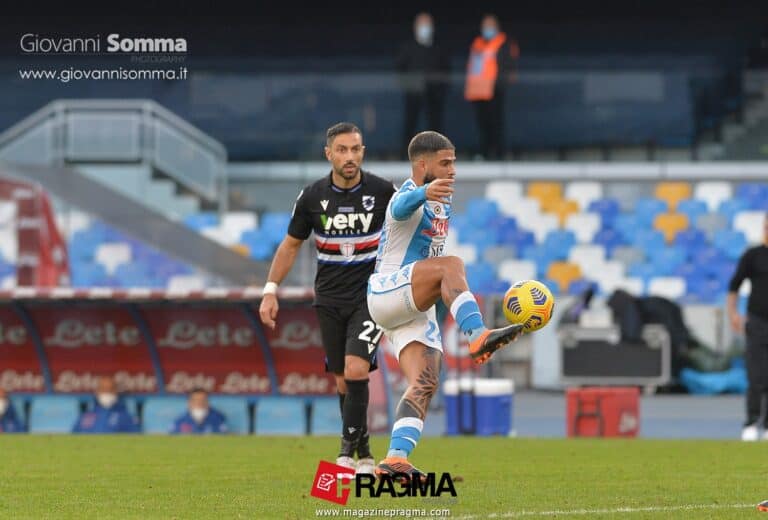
point(444, 277)
point(421, 366)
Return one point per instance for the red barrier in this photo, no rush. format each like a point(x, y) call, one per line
point(19, 363)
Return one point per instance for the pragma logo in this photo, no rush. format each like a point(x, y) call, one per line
point(347, 223)
point(332, 484)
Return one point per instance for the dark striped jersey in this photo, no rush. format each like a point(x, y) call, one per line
point(347, 226)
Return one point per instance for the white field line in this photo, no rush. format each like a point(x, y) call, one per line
point(650, 509)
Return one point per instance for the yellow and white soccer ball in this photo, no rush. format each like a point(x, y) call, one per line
point(530, 303)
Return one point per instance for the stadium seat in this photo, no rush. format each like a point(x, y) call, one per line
point(580, 285)
point(587, 257)
point(628, 193)
point(513, 271)
point(583, 192)
point(671, 287)
point(628, 255)
point(755, 194)
point(648, 241)
point(751, 224)
point(239, 221)
point(633, 285)
point(480, 237)
point(690, 239)
point(467, 252)
point(483, 212)
point(563, 209)
point(325, 416)
point(518, 238)
point(222, 235)
point(541, 225)
point(607, 275)
point(692, 209)
point(729, 208)
point(524, 210)
point(540, 256)
point(89, 275)
point(480, 276)
point(235, 409)
point(280, 416)
point(644, 272)
point(670, 224)
point(53, 413)
point(504, 193)
point(713, 193)
point(667, 260)
point(673, 192)
point(160, 412)
point(584, 226)
point(241, 249)
point(547, 193)
point(198, 221)
point(497, 254)
point(275, 223)
point(111, 255)
point(559, 242)
point(563, 273)
point(185, 282)
point(710, 223)
point(607, 208)
point(609, 239)
point(731, 242)
point(627, 224)
point(69, 222)
point(646, 210)
point(709, 256)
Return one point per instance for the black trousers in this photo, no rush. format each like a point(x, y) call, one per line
point(430, 101)
point(757, 367)
point(490, 126)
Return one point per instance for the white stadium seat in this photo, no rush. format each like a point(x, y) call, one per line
point(503, 192)
point(751, 224)
point(583, 192)
point(587, 257)
point(672, 287)
point(713, 193)
point(516, 270)
point(583, 225)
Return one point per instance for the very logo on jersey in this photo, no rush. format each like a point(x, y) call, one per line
point(350, 222)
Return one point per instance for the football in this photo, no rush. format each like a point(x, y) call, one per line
point(530, 303)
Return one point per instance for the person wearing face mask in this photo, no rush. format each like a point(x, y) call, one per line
point(424, 69)
point(107, 413)
point(9, 421)
point(200, 417)
point(489, 71)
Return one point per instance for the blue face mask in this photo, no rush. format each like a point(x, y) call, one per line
point(489, 33)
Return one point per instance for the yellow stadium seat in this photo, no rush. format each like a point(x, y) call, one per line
point(241, 249)
point(563, 208)
point(670, 224)
point(673, 192)
point(547, 193)
point(563, 273)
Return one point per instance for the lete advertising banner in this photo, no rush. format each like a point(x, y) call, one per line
point(212, 347)
point(84, 341)
point(297, 350)
point(19, 363)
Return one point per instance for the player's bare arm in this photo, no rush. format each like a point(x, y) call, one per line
point(285, 256)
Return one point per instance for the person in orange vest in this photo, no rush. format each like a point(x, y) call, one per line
point(489, 71)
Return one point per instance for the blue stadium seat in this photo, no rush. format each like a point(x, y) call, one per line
point(644, 271)
point(53, 413)
point(647, 209)
point(692, 208)
point(326, 418)
point(690, 239)
point(482, 238)
point(89, 275)
point(275, 225)
point(135, 274)
point(552, 285)
point(755, 194)
point(540, 256)
point(161, 412)
point(559, 242)
point(235, 409)
point(609, 239)
point(483, 211)
point(280, 416)
point(480, 276)
point(729, 208)
point(649, 241)
point(607, 208)
point(580, 285)
point(732, 243)
point(667, 260)
point(198, 221)
point(627, 224)
point(519, 238)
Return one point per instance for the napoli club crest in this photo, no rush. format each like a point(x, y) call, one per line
point(368, 202)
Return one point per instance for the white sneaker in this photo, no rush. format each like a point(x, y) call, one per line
point(349, 462)
point(750, 433)
point(366, 466)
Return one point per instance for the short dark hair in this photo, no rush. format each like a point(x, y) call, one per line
point(428, 142)
point(341, 128)
point(198, 390)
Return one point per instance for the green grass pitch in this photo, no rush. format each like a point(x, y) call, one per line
point(258, 477)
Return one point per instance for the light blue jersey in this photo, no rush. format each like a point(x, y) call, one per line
point(414, 228)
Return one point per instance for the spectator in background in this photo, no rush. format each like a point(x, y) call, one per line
point(489, 70)
point(200, 417)
point(424, 69)
point(9, 421)
point(753, 265)
point(107, 413)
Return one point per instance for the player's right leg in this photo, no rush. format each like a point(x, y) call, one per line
point(444, 277)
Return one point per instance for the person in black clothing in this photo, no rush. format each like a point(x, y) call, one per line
point(346, 211)
point(424, 69)
point(753, 265)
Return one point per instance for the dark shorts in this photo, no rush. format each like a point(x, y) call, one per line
point(348, 331)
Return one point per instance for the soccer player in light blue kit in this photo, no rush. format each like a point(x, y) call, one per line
point(412, 274)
